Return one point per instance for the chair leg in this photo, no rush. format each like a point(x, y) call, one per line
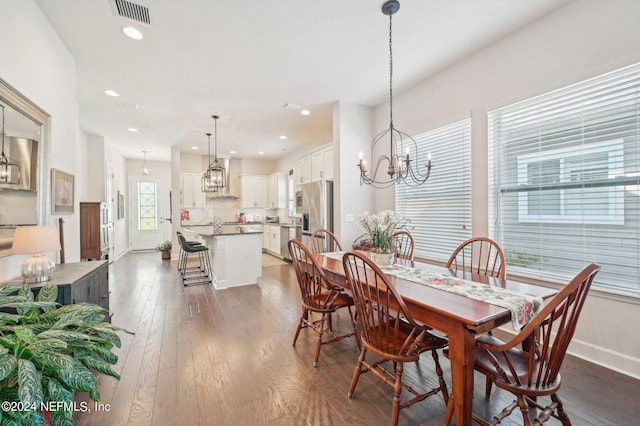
point(562, 415)
point(323, 319)
point(303, 319)
point(443, 384)
point(449, 414)
point(524, 408)
point(487, 388)
point(356, 372)
point(356, 335)
point(397, 390)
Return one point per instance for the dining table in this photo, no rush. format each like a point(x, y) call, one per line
point(460, 318)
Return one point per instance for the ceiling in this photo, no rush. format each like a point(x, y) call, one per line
point(244, 60)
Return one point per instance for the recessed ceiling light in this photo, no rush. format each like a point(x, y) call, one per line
point(194, 147)
point(261, 153)
point(305, 112)
point(283, 137)
point(232, 152)
point(111, 92)
point(132, 33)
point(134, 130)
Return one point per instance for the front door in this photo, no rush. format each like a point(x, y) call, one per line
point(147, 203)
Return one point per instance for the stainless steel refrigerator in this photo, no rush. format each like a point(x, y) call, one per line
point(317, 208)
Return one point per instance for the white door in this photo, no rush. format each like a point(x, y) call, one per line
point(147, 227)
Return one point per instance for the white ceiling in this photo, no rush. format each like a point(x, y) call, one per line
point(244, 60)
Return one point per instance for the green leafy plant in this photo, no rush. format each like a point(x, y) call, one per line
point(164, 246)
point(48, 352)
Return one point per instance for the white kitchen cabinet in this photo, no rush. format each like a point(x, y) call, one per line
point(322, 165)
point(254, 191)
point(277, 191)
point(191, 194)
point(271, 239)
point(302, 170)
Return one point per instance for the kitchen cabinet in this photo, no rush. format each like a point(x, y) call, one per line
point(191, 192)
point(322, 165)
point(302, 170)
point(277, 191)
point(254, 191)
point(271, 239)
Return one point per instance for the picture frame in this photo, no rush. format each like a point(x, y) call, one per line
point(120, 205)
point(62, 192)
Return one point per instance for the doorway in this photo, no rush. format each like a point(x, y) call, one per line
point(147, 203)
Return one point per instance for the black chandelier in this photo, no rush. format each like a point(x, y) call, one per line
point(9, 170)
point(402, 164)
point(215, 177)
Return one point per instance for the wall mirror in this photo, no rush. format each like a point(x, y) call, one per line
point(23, 194)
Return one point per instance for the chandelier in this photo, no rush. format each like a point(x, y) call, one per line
point(403, 162)
point(215, 177)
point(9, 170)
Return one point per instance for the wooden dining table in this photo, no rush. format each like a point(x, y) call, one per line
point(461, 318)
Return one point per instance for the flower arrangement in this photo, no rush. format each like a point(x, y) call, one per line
point(164, 246)
point(380, 228)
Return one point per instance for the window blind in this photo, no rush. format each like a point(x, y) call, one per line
point(564, 176)
point(440, 210)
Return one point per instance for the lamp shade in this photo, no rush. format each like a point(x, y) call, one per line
point(35, 239)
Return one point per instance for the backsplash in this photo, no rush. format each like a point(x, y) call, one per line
point(228, 210)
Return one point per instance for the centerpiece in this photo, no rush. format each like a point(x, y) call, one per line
point(379, 229)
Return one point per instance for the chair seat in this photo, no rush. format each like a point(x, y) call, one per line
point(319, 303)
point(428, 343)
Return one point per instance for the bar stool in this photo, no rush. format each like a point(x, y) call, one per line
point(192, 275)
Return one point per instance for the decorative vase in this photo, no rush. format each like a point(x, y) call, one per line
point(383, 260)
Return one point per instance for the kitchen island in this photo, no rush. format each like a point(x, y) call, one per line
point(236, 253)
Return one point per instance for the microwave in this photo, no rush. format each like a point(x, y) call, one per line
point(298, 200)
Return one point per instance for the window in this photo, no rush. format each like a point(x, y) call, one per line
point(440, 210)
point(147, 206)
point(564, 176)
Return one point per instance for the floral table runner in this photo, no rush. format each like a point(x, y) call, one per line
point(522, 306)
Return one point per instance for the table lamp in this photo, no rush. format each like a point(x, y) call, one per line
point(36, 240)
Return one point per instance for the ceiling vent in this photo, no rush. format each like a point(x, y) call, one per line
point(133, 11)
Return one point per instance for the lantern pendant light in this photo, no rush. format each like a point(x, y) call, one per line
point(9, 170)
point(214, 178)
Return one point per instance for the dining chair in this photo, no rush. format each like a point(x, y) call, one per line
point(479, 255)
point(403, 244)
point(534, 373)
point(319, 296)
point(389, 332)
point(324, 241)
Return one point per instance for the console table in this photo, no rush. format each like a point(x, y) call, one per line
point(79, 282)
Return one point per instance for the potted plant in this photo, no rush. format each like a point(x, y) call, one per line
point(165, 249)
point(379, 229)
point(48, 352)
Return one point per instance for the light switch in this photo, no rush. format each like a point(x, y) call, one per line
point(348, 217)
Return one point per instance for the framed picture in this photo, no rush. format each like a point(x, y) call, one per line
point(120, 205)
point(62, 192)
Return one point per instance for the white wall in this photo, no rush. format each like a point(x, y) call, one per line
point(36, 63)
point(584, 39)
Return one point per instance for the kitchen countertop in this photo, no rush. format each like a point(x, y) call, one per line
point(227, 230)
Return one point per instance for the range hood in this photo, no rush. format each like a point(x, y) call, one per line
point(24, 152)
point(225, 193)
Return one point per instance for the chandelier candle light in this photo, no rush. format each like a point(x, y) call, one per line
point(403, 149)
point(214, 178)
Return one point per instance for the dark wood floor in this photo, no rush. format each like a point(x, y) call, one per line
point(206, 357)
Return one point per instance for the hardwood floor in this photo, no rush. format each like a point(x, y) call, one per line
point(206, 357)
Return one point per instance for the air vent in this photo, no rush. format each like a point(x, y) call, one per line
point(132, 11)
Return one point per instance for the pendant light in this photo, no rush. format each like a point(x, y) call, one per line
point(145, 170)
point(404, 164)
point(215, 177)
point(9, 170)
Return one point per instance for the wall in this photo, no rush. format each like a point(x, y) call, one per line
point(36, 63)
point(581, 40)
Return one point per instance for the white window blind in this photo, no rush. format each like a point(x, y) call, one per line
point(564, 176)
point(440, 210)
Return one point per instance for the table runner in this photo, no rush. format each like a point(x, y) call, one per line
point(522, 306)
